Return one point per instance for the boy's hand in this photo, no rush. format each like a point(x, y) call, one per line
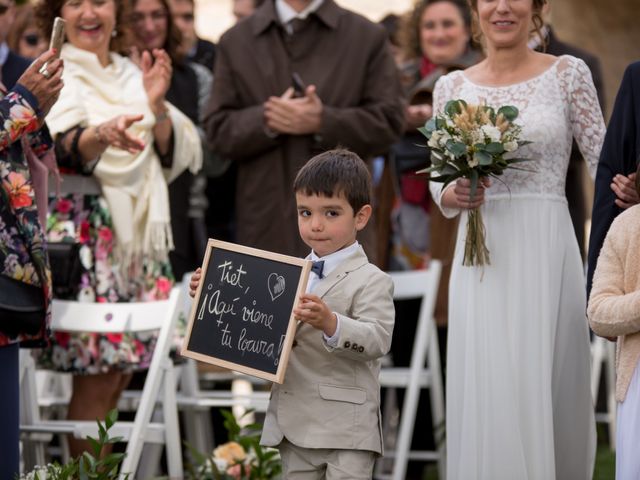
point(314, 311)
point(195, 281)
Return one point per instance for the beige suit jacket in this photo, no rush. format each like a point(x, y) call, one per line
point(330, 397)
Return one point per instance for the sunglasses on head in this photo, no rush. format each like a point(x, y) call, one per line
point(32, 39)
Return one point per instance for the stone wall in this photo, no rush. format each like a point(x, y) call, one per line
point(608, 28)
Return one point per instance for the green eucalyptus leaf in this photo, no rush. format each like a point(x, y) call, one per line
point(425, 132)
point(494, 148)
point(483, 158)
point(454, 107)
point(509, 112)
point(456, 148)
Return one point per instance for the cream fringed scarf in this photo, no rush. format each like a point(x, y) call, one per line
point(134, 185)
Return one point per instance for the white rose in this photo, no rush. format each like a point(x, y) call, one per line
point(477, 136)
point(492, 132)
point(439, 139)
point(510, 146)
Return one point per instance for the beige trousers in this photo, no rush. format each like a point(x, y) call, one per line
point(299, 463)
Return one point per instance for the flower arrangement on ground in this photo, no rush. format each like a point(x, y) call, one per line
point(241, 458)
point(87, 466)
point(472, 141)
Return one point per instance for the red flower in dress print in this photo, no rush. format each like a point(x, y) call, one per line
point(84, 232)
point(19, 190)
point(64, 206)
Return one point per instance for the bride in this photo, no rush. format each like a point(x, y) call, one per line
point(518, 397)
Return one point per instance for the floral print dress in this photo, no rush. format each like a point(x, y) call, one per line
point(86, 219)
point(22, 250)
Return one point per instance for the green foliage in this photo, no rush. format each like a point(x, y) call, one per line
point(259, 464)
point(510, 112)
point(87, 466)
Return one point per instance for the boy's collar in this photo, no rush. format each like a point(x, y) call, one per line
point(334, 259)
point(351, 248)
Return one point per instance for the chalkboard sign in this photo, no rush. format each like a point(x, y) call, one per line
point(241, 316)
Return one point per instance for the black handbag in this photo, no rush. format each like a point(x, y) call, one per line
point(66, 269)
point(22, 307)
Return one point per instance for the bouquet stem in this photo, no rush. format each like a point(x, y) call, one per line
point(475, 249)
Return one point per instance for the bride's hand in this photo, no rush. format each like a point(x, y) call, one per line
point(459, 196)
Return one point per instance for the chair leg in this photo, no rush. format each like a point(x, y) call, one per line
point(612, 405)
point(437, 403)
point(197, 423)
point(172, 428)
point(33, 450)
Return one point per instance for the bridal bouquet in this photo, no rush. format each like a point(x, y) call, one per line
point(472, 141)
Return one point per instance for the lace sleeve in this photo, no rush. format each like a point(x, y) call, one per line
point(586, 118)
point(442, 93)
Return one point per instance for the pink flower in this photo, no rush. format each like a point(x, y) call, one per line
point(115, 338)
point(64, 205)
point(235, 471)
point(105, 234)
point(139, 346)
point(163, 286)
point(19, 190)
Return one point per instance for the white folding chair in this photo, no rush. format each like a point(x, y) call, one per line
point(603, 353)
point(111, 318)
point(423, 372)
point(195, 402)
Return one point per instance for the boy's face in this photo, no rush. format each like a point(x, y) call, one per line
point(327, 224)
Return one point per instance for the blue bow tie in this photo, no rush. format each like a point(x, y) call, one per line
point(317, 268)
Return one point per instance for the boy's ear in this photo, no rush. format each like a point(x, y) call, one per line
point(362, 217)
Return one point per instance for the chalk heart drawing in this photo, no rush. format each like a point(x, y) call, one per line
point(276, 285)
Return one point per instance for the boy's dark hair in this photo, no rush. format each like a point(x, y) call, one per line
point(333, 173)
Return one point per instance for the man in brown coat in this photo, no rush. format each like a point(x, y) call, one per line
point(349, 96)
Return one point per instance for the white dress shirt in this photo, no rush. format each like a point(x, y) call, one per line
point(331, 261)
point(286, 13)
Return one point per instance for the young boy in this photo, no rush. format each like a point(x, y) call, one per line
point(325, 417)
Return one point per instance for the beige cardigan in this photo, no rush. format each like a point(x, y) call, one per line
point(614, 304)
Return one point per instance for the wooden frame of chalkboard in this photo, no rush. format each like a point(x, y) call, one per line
point(242, 314)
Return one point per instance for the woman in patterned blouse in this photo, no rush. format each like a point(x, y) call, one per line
point(23, 150)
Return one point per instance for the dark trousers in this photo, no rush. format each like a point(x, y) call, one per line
point(9, 413)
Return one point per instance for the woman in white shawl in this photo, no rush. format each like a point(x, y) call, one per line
point(112, 121)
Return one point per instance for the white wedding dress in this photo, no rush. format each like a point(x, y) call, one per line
point(518, 396)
